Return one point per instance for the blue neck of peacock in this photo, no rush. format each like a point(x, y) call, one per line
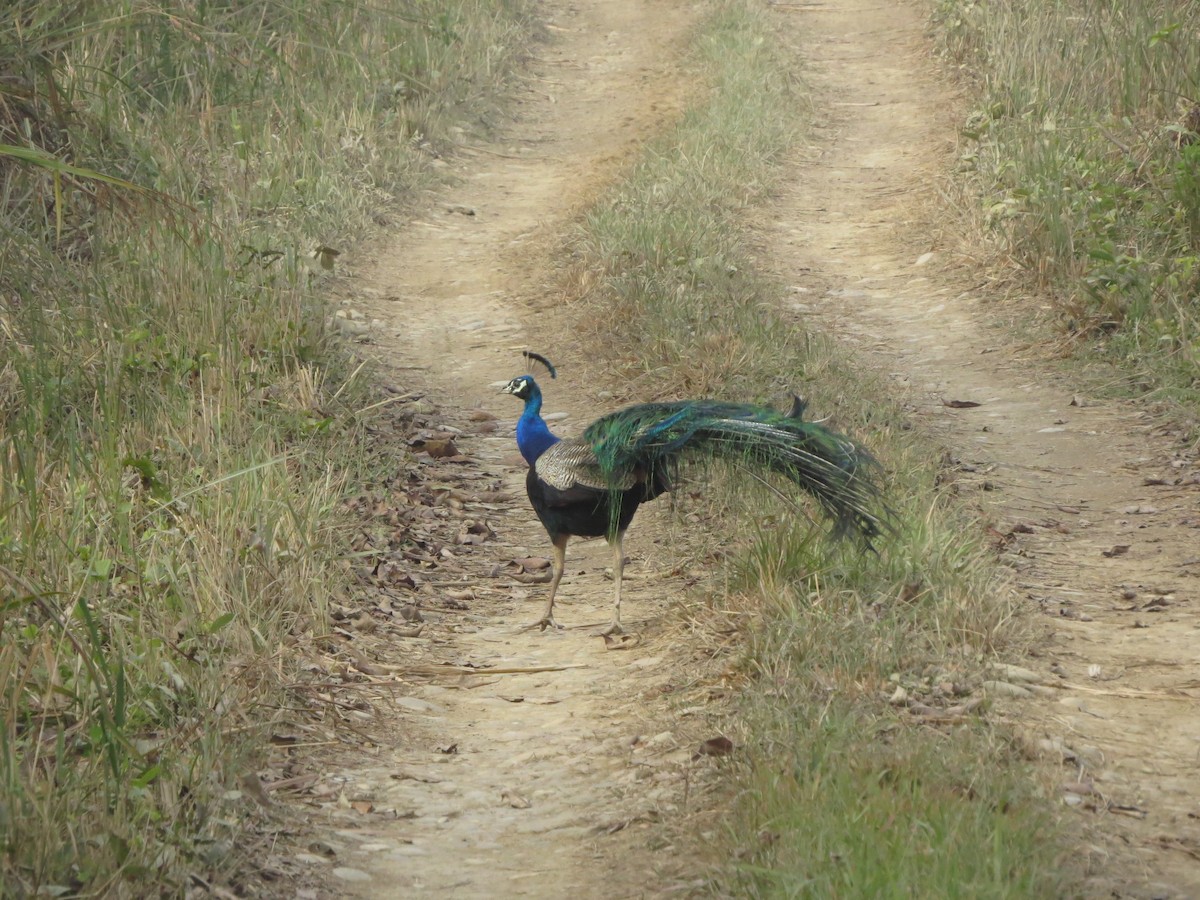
point(533, 435)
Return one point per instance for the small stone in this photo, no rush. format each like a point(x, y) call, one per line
point(311, 859)
point(347, 874)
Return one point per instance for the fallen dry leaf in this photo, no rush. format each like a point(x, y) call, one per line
point(515, 800)
point(254, 787)
point(1132, 811)
point(437, 448)
point(621, 641)
point(368, 668)
point(716, 746)
point(412, 776)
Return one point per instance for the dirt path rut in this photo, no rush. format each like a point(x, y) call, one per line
point(554, 775)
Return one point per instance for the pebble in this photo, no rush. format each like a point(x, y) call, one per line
point(347, 874)
point(663, 737)
point(311, 859)
point(416, 704)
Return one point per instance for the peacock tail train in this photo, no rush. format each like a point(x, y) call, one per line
point(656, 438)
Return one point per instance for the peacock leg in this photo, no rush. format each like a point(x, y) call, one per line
point(618, 573)
point(560, 561)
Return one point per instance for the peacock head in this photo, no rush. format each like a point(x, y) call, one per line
point(522, 387)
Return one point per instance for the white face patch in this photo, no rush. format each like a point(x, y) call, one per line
point(516, 387)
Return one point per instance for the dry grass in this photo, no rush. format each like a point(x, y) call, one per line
point(1085, 172)
point(177, 423)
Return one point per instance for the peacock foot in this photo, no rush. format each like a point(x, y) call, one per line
point(542, 624)
point(613, 629)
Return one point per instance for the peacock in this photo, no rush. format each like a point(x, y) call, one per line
point(591, 486)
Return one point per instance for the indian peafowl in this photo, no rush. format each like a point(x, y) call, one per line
point(591, 486)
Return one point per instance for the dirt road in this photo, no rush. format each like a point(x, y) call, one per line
point(558, 775)
point(572, 780)
point(1098, 502)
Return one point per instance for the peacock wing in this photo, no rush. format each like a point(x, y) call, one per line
point(571, 469)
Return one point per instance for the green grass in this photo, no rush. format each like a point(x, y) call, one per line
point(1082, 151)
point(837, 792)
point(177, 422)
point(664, 236)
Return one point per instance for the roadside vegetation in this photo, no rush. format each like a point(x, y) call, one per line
point(178, 421)
point(1084, 146)
point(862, 769)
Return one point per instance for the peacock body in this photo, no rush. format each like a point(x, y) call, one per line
point(591, 486)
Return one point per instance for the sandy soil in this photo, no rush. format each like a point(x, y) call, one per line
point(578, 779)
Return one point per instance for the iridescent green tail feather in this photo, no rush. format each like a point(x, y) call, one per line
point(655, 438)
